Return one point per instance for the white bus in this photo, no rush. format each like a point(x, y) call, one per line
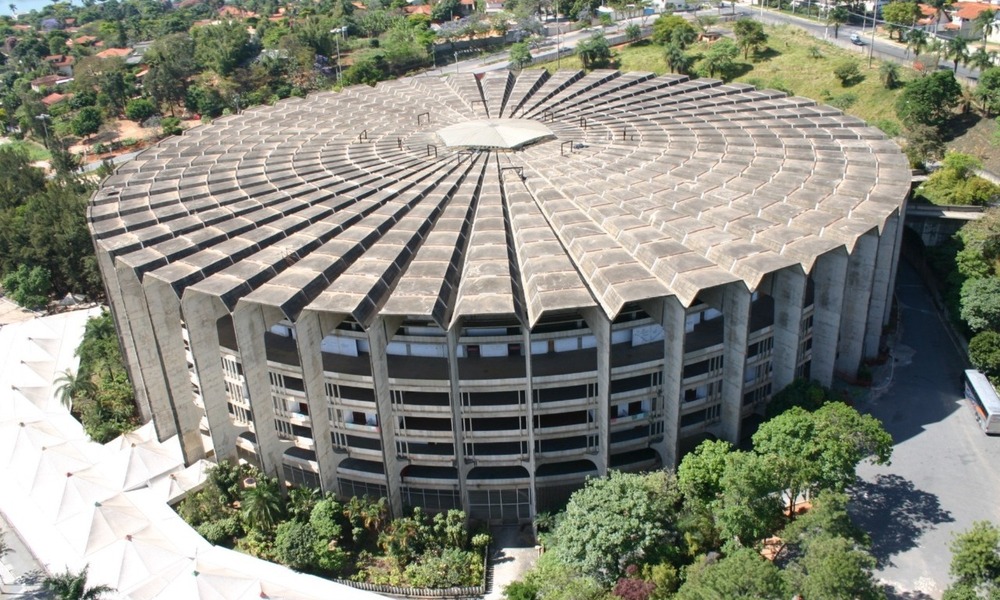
point(984, 400)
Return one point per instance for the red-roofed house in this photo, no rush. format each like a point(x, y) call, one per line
point(114, 52)
point(423, 9)
point(964, 15)
point(931, 18)
point(55, 98)
point(234, 12)
point(83, 40)
point(62, 63)
point(49, 81)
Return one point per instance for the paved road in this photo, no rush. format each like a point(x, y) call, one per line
point(943, 475)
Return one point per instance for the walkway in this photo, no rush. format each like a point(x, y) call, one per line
point(514, 556)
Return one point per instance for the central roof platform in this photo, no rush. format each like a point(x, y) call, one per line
point(494, 134)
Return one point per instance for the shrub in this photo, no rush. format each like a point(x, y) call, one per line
point(888, 127)
point(848, 72)
point(139, 110)
point(815, 52)
point(171, 126)
point(844, 101)
point(984, 352)
point(29, 287)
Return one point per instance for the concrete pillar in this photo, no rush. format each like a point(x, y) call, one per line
point(788, 288)
point(144, 343)
point(126, 338)
point(600, 326)
point(530, 407)
point(881, 287)
point(201, 314)
point(828, 274)
point(165, 312)
point(456, 415)
point(854, 315)
point(250, 325)
point(671, 318)
point(310, 329)
point(380, 333)
point(894, 268)
point(736, 312)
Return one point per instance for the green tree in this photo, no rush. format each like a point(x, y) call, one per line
point(836, 17)
point(985, 23)
point(749, 36)
point(743, 575)
point(633, 33)
point(262, 504)
point(750, 507)
point(556, 580)
point(975, 559)
point(835, 568)
point(221, 47)
point(957, 50)
point(294, 542)
point(520, 55)
point(848, 72)
point(786, 441)
point(988, 90)
point(594, 53)
point(70, 386)
point(87, 121)
point(805, 393)
point(899, 16)
point(171, 64)
point(29, 286)
point(616, 521)
point(843, 439)
point(917, 41)
point(699, 475)
point(980, 302)
point(18, 179)
point(139, 110)
point(73, 586)
point(677, 60)
point(929, 100)
point(984, 352)
point(889, 75)
point(981, 59)
point(667, 28)
point(720, 58)
point(827, 517)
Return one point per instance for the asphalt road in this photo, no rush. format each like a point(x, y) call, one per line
point(943, 475)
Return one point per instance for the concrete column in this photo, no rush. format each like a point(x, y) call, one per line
point(126, 338)
point(828, 274)
point(456, 415)
point(202, 313)
point(250, 324)
point(165, 312)
point(736, 312)
point(530, 407)
point(881, 287)
point(854, 316)
point(600, 326)
point(894, 268)
point(672, 320)
point(788, 289)
point(380, 332)
point(310, 329)
point(149, 362)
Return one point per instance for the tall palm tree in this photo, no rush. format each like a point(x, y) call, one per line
point(73, 586)
point(13, 9)
point(957, 50)
point(981, 59)
point(917, 41)
point(72, 386)
point(985, 22)
point(262, 504)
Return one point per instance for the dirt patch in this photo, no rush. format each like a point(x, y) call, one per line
point(977, 140)
point(117, 131)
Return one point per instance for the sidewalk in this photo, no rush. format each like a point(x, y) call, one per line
point(514, 555)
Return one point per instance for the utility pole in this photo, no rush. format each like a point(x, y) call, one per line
point(871, 46)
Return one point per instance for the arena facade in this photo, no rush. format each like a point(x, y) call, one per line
point(476, 291)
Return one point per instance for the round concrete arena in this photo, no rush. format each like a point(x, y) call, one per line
point(474, 292)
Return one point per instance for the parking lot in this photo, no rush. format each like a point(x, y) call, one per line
point(943, 475)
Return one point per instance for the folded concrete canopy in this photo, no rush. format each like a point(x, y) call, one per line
point(475, 292)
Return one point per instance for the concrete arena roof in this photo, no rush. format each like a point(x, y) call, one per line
point(347, 203)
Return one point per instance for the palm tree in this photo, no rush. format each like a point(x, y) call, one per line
point(889, 73)
point(986, 23)
point(72, 386)
point(957, 49)
point(981, 59)
point(262, 504)
point(73, 586)
point(13, 9)
point(917, 41)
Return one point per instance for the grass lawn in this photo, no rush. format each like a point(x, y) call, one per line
point(34, 150)
point(787, 64)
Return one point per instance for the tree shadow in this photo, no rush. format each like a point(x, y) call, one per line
point(766, 54)
point(891, 593)
point(960, 125)
point(895, 514)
